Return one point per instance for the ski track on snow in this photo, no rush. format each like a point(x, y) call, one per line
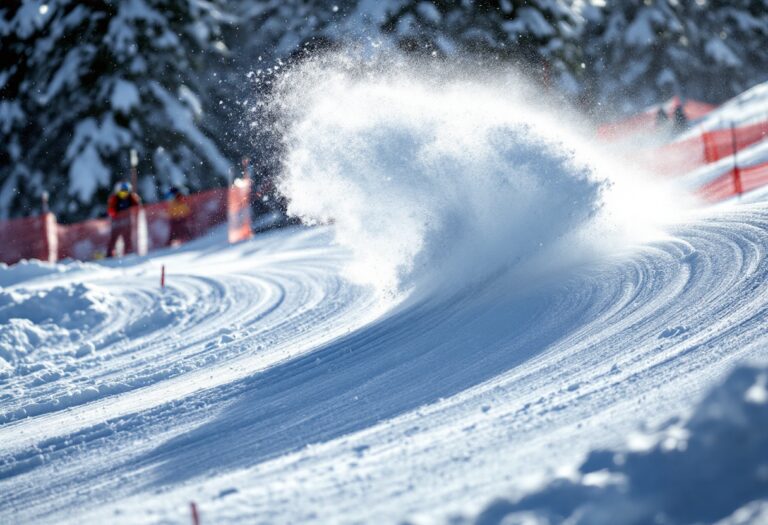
point(267, 388)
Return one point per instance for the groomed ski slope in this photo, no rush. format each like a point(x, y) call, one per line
point(493, 301)
point(265, 408)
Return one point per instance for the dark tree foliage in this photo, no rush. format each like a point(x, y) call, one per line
point(184, 81)
point(83, 82)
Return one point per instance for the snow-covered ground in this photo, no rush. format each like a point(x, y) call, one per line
point(492, 303)
point(263, 386)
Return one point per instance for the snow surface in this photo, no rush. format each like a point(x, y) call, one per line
point(270, 383)
point(693, 473)
point(263, 385)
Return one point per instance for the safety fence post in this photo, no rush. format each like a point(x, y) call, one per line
point(140, 237)
point(50, 231)
point(50, 237)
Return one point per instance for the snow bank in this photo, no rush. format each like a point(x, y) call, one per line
point(23, 271)
point(713, 468)
point(18, 338)
point(42, 321)
point(73, 305)
point(435, 175)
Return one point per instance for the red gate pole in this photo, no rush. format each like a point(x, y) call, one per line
point(195, 515)
point(736, 172)
point(162, 276)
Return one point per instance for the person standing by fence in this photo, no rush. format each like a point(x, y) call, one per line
point(119, 207)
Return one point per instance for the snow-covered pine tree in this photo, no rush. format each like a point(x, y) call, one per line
point(265, 37)
point(81, 83)
point(539, 35)
point(730, 38)
point(637, 52)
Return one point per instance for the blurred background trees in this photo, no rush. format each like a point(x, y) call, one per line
point(83, 82)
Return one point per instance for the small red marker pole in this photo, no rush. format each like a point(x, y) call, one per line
point(162, 276)
point(195, 515)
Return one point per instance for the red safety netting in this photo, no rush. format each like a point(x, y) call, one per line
point(202, 211)
point(694, 109)
point(722, 143)
point(628, 127)
point(753, 177)
point(689, 154)
point(90, 239)
point(736, 181)
point(677, 157)
point(28, 238)
point(85, 240)
point(140, 229)
point(723, 187)
point(150, 228)
point(647, 120)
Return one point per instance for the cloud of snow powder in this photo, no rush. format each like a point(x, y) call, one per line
point(433, 175)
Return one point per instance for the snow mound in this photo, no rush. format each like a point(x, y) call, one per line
point(18, 338)
point(437, 177)
point(713, 468)
point(23, 271)
point(73, 305)
point(35, 326)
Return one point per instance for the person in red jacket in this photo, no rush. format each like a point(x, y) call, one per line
point(119, 209)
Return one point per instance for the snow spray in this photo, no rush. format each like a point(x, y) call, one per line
point(436, 174)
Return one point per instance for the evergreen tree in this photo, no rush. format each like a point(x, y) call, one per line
point(729, 39)
point(81, 83)
point(265, 38)
point(539, 35)
point(638, 53)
